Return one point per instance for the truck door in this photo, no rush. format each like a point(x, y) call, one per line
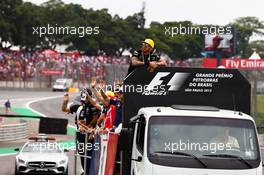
point(137, 163)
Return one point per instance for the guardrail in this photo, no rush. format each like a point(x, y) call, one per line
point(11, 132)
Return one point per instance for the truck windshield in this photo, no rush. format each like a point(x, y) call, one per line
point(208, 139)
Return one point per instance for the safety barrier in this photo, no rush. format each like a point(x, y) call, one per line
point(11, 132)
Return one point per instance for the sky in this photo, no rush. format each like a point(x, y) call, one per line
point(219, 12)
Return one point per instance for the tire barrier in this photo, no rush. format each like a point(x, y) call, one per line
point(12, 132)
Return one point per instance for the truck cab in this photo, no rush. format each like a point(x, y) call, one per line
point(190, 121)
point(194, 140)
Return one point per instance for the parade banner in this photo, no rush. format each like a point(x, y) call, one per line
point(103, 149)
point(96, 154)
point(103, 159)
point(50, 72)
point(111, 153)
point(235, 63)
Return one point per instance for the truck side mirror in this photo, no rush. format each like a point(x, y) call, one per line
point(139, 159)
point(125, 139)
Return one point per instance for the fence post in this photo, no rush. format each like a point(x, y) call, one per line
point(75, 153)
point(85, 154)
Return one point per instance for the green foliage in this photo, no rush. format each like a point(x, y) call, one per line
point(178, 46)
point(259, 116)
point(245, 27)
point(258, 46)
point(8, 20)
point(18, 20)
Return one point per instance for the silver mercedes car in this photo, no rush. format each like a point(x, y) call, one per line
point(41, 155)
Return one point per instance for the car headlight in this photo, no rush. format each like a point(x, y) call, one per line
point(21, 161)
point(62, 161)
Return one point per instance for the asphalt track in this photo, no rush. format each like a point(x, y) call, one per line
point(52, 108)
point(47, 104)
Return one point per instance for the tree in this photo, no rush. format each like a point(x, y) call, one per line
point(245, 27)
point(8, 16)
point(134, 26)
point(178, 46)
point(29, 17)
point(258, 46)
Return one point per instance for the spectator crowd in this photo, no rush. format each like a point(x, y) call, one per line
point(19, 66)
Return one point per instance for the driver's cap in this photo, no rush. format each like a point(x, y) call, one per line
point(149, 42)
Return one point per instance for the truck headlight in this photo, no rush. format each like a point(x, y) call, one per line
point(62, 161)
point(21, 161)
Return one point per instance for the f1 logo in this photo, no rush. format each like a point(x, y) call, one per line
point(175, 82)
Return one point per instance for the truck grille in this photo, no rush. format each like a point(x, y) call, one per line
point(42, 164)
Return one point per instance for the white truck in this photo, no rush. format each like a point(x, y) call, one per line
point(194, 140)
point(198, 123)
point(62, 84)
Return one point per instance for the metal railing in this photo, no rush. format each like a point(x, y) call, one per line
point(76, 154)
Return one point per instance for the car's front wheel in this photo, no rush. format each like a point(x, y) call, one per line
point(16, 171)
point(66, 172)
